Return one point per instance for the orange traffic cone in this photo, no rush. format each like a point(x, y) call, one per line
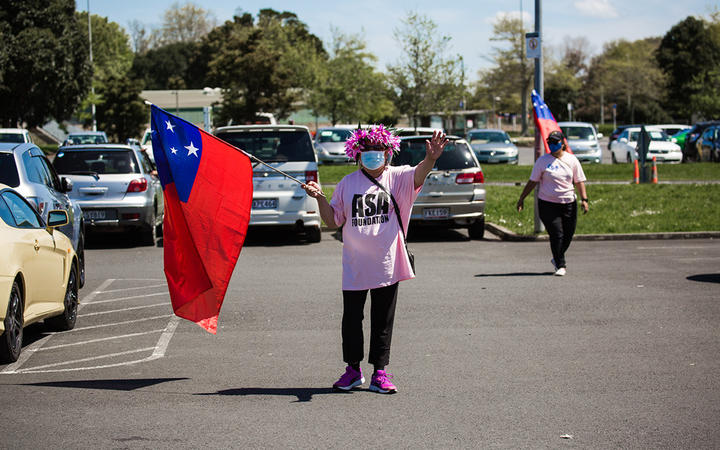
point(654, 172)
point(636, 180)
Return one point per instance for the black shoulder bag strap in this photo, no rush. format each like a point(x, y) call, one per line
point(397, 212)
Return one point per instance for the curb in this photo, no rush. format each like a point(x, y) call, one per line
point(507, 235)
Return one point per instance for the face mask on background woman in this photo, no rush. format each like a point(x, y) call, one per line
point(372, 160)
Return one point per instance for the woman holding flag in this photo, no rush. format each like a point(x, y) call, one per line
point(555, 173)
point(373, 206)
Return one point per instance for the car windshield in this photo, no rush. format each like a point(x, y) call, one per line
point(655, 135)
point(103, 161)
point(14, 138)
point(456, 155)
point(334, 135)
point(87, 139)
point(578, 133)
point(484, 137)
point(272, 145)
point(8, 171)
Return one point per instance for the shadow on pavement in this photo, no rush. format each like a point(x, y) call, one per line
point(113, 385)
point(706, 277)
point(514, 274)
point(273, 237)
point(302, 394)
point(436, 234)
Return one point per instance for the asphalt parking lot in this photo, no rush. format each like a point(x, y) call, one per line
point(489, 350)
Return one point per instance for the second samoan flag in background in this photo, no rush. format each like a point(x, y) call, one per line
point(207, 188)
point(544, 121)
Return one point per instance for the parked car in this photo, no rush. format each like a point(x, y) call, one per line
point(25, 168)
point(584, 140)
point(15, 135)
point(680, 137)
point(415, 131)
point(710, 144)
point(38, 272)
point(616, 132)
point(492, 146)
point(330, 144)
point(115, 187)
point(277, 200)
point(86, 137)
point(625, 147)
point(690, 149)
point(672, 128)
point(453, 195)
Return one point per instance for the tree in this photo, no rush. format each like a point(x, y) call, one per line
point(425, 78)
point(185, 23)
point(564, 80)
point(349, 90)
point(45, 70)
point(262, 66)
point(180, 59)
point(123, 114)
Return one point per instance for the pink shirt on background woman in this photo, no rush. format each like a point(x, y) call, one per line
point(374, 252)
point(556, 178)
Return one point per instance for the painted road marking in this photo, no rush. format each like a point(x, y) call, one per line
point(131, 308)
point(90, 341)
point(125, 322)
point(129, 298)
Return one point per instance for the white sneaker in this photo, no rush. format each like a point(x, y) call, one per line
point(560, 272)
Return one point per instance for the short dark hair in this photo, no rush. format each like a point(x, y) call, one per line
point(555, 137)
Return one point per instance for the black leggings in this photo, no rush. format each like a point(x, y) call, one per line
point(382, 316)
point(560, 220)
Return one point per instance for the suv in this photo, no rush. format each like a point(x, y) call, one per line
point(25, 168)
point(583, 140)
point(115, 186)
point(277, 200)
point(452, 195)
point(15, 135)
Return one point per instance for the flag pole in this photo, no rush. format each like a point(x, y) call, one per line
point(252, 157)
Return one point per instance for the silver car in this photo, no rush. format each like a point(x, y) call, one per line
point(25, 168)
point(453, 195)
point(584, 140)
point(116, 188)
point(493, 146)
point(277, 200)
point(330, 144)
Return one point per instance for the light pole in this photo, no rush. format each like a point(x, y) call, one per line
point(541, 92)
point(92, 67)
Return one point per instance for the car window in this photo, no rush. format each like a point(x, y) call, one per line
point(457, 155)
point(48, 167)
point(36, 173)
point(147, 165)
point(273, 146)
point(23, 214)
point(334, 135)
point(578, 133)
point(88, 139)
point(8, 170)
point(103, 161)
point(15, 138)
point(484, 137)
point(5, 213)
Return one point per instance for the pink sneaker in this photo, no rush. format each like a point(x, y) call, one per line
point(381, 383)
point(350, 379)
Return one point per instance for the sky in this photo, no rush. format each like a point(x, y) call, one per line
point(469, 24)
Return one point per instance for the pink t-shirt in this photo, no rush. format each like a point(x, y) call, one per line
point(373, 247)
point(556, 178)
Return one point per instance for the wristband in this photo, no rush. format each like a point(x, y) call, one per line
point(583, 199)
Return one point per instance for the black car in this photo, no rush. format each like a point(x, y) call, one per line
point(690, 150)
point(709, 144)
point(617, 131)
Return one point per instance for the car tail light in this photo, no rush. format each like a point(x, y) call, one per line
point(139, 185)
point(311, 175)
point(470, 177)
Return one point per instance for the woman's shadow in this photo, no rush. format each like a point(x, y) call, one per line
point(302, 394)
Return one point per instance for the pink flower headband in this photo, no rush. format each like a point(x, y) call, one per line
point(375, 137)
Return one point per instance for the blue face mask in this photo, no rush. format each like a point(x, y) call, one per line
point(372, 160)
point(555, 147)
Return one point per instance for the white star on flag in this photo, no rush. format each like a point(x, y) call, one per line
point(169, 126)
point(191, 149)
point(173, 150)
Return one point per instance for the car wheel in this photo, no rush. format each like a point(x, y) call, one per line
point(314, 234)
point(11, 339)
point(614, 159)
point(81, 260)
point(477, 229)
point(66, 320)
point(629, 158)
point(148, 233)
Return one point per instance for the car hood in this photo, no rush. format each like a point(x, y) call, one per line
point(493, 146)
point(332, 147)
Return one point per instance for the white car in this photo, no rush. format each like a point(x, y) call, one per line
point(330, 144)
point(624, 148)
point(583, 140)
point(15, 135)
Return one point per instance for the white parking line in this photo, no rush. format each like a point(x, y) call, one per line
point(91, 341)
point(135, 287)
point(93, 358)
point(123, 309)
point(129, 298)
point(117, 323)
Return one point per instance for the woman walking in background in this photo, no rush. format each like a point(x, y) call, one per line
point(556, 173)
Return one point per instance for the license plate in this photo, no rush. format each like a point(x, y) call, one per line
point(493, 160)
point(436, 213)
point(265, 203)
point(95, 214)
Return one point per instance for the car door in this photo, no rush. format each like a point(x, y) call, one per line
point(43, 264)
point(153, 181)
point(59, 199)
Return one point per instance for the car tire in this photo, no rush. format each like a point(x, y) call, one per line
point(313, 234)
point(11, 339)
point(629, 158)
point(614, 159)
point(148, 233)
point(66, 320)
point(476, 230)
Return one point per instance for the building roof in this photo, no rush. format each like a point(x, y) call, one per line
point(183, 98)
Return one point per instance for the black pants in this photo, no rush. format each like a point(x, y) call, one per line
point(560, 220)
point(382, 316)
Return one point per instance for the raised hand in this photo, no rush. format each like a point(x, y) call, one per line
point(435, 146)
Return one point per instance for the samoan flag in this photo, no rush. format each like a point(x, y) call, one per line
point(544, 121)
point(207, 188)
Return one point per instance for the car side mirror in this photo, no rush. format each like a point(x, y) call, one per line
point(600, 135)
point(67, 184)
point(57, 218)
point(623, 140)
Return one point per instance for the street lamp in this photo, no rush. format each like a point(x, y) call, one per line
point(92, 85)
